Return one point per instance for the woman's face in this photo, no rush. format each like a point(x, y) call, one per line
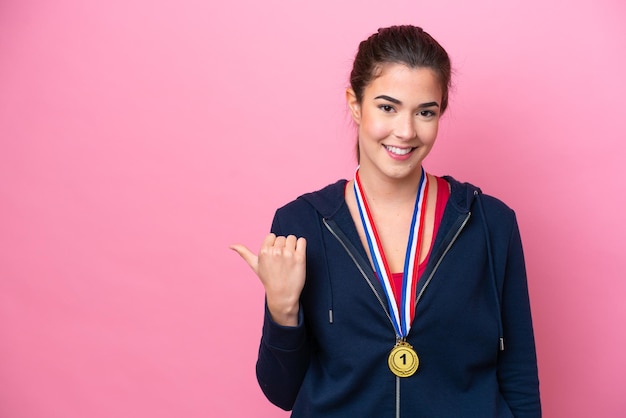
point(397, 120)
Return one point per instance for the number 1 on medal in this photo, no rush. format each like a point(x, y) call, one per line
point(403, 360)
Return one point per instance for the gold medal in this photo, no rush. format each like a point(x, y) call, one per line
point(403, 359)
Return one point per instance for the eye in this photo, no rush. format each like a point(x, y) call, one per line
point(386, 108)
point(427, 113)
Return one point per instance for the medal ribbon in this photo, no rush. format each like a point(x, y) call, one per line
point(401, 316)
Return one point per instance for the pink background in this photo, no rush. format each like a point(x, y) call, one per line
point(139, 138)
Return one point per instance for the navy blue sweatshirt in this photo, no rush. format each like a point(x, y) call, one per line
point(472, 329)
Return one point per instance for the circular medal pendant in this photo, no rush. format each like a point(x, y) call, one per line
point(403, 360)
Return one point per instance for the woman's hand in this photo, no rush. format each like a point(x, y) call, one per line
point(281, 266)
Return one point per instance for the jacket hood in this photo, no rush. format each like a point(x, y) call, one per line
point(329, 200)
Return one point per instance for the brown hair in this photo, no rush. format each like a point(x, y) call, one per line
point(408, 45)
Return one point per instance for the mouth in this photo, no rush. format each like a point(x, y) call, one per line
point(398, 151)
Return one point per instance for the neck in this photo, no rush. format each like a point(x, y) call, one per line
point(385, 189)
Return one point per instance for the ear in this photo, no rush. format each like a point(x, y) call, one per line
point(354, 105)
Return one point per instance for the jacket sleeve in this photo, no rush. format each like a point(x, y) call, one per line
point(284, 355)
point(517, 364)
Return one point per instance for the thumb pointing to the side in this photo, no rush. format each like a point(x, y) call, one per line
point(247, 255)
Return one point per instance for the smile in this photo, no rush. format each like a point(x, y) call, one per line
point(397, 150)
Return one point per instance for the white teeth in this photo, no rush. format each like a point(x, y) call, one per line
point(398, 151)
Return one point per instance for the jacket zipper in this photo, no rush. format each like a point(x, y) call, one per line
point(380, 300)
point(358, 265)
point(452, 241)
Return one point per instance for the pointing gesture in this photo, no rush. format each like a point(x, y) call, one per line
point(281, 266)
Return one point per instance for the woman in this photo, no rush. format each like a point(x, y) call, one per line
point(359, 323)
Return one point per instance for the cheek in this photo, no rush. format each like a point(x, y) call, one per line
point(375, 128)
point(428, 133)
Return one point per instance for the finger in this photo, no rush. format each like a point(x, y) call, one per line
point(280, 242)
point(301, 246)
point(269, 240)
point(290, 242)
point(247, 255)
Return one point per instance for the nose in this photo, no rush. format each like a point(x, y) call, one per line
point(405, 128)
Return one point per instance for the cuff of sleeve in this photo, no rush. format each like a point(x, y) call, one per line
point(282, 337)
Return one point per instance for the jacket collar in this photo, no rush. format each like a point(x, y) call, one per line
point(329, 200)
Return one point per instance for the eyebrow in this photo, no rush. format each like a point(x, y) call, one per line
point(398, 102)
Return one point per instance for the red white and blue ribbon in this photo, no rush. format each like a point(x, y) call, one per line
point(401, 316)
